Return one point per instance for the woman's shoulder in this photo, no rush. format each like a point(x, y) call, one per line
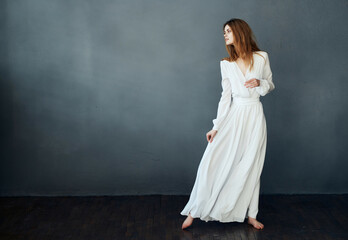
point(260, 53)
point(225, 59)
point(224, 62)
point(263, 53)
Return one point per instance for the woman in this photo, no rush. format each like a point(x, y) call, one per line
point(227, 184)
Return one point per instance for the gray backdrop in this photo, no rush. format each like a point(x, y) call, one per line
point(115, 97)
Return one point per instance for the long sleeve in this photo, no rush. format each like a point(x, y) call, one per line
point(225, 99)
point(266, 82)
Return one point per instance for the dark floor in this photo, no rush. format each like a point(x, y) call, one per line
point(158, 217)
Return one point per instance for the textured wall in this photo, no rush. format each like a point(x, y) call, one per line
point(115, 97)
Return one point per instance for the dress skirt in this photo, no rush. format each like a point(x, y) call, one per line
point(227, 183)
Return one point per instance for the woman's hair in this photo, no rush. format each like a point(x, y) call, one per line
point(244, 43)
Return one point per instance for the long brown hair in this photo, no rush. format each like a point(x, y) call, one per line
point(244, 43)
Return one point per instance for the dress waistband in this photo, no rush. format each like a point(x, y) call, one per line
point(246, 101)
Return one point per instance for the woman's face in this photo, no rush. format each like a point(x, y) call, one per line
point(228, 35)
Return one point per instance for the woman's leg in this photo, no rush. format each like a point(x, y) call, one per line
point(254, 204)
point(254, 208)
point(188, 221)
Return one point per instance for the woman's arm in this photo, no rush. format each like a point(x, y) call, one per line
point(266, 82)
point(225, 99)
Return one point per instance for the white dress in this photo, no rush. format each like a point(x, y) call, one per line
point(227, 184)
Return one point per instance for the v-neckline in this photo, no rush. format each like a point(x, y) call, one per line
point(241, 70)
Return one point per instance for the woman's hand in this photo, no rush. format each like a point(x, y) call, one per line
point(210, 135)
point(252, 83)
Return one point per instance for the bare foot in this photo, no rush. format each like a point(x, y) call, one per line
point(188, 221)
point(255, 223)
